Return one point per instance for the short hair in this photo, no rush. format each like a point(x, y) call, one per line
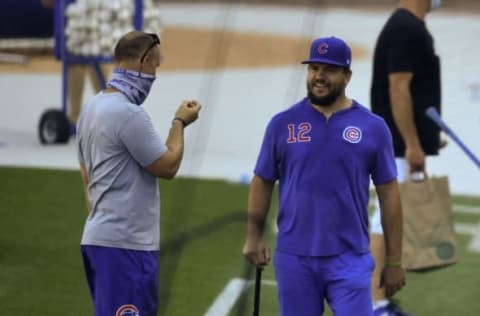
point(131, 46)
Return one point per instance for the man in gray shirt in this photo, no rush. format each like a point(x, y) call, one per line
point(121, 156)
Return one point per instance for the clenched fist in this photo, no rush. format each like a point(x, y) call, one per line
point(188, 111)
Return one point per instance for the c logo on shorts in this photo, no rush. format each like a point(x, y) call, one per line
point(352, 134)
point(127, 310)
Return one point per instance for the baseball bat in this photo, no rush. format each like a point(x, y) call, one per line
point(432, 113)
point(256, 300)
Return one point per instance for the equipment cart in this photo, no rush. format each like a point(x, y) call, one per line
point(54, 127)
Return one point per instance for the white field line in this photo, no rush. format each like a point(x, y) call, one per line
point(269, 282)
point(460, 208)
point(225, 301)
point(230, 294)
point(467, 229)
point(474, 231)
point(274, 227)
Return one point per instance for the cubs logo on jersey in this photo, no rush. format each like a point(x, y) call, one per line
point(352, 134)
point(127, 310)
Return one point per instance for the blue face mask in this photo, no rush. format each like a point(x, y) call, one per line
point(135, 85)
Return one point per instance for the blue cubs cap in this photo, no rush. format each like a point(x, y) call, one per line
point(331, 51)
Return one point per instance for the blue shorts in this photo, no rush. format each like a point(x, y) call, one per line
point(122, 282)
point(305, 282)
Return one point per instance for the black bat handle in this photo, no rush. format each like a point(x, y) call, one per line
point(256, 302)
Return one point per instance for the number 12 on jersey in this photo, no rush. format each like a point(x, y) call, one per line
point(299, 133)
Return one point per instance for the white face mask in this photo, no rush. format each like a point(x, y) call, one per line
point(434, 4)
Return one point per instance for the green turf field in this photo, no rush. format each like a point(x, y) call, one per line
point(202, 230)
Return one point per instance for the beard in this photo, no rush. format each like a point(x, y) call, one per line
point(326, 100)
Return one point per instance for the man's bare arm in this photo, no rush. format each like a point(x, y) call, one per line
point(393, 276)
point(403, 114)
point(259, 199)
point(392, 219)
point(168, 164)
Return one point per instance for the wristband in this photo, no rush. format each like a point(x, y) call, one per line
point(184, 123)
point(393, 264)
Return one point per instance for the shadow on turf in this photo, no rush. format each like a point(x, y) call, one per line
point(171, 251)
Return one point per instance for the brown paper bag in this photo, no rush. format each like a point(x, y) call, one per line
point(429, 239)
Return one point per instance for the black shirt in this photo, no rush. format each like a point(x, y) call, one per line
point(405, 45)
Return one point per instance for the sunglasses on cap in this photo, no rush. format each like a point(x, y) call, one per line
point(155, 41)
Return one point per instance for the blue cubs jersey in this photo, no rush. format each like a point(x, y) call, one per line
point(324, 169)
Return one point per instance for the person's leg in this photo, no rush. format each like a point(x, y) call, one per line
point(377, 243)
point(77, 74)
point(92, 74)
point(299, 293)
point(125, 281)
point(76, 83)
point(348, 284)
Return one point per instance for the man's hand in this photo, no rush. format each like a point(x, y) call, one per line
point(188, 111)
point(48, 3)
point(415, 157)
point(257, 252)
point(443, 141)
point(393, 279)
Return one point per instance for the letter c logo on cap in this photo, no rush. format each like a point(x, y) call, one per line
point(322, 48)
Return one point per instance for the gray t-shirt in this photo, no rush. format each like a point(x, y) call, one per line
point(116, 140)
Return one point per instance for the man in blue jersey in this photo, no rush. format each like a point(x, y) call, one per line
point(121, 157)
point(323, 150)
